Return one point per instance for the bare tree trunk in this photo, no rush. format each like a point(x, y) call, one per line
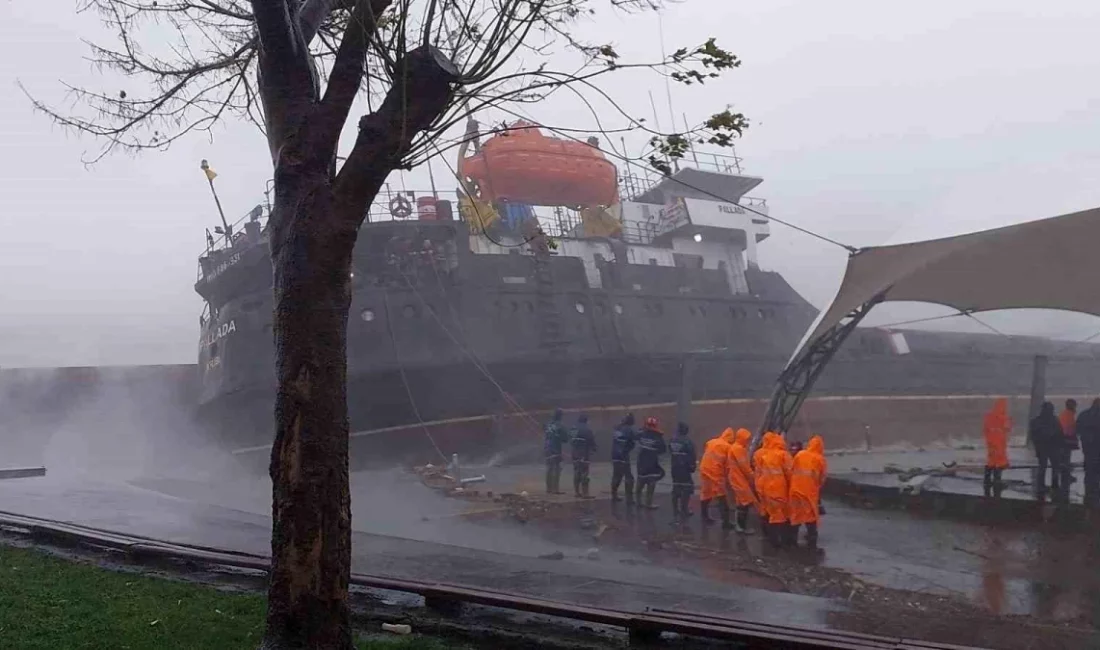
point(311, 505)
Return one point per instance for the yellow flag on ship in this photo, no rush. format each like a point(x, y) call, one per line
point(208, 170)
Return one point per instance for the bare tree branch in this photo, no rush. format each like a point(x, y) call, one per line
point(347, 71)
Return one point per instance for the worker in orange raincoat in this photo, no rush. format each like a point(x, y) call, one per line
point(739, 472)
point(772, 464)
point(995, 428)
point(712, 472)
point(808, 472)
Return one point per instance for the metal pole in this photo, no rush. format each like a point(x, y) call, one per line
point(687, 129)
point(431, 177)
point(221, 212)
point(1038, 396)
point(1038, 386)
point(683, 405)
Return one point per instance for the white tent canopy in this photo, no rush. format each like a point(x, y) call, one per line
point(1047, 264)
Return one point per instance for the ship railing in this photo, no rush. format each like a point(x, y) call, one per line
point(246, 232)
point(640, 179)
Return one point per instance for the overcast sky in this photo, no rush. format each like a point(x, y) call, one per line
point(873, 123)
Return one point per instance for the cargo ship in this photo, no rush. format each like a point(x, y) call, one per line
point(552, 278)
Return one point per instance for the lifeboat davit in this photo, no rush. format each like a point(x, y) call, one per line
point(525, 166)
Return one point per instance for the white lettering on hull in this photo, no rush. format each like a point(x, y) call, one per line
point(223, 267)
point(218, 333)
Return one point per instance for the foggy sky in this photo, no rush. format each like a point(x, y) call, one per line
point(873, 123)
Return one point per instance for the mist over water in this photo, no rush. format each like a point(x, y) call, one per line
point(107, 423)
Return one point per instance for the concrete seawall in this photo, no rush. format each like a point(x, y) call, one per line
point(114, 406)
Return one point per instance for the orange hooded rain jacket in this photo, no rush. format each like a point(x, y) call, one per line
point(996, 427)
point(772, 464)
point(739, 470)
point(807, 476)
point(712, 468)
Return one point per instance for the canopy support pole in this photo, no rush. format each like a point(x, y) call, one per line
point(798, 378)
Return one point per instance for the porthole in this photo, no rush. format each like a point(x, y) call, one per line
point(579, 307)
point(367, 315)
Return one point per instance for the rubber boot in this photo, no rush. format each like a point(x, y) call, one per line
point(811, 535)
point(704, 509)
point(685, 502)
point(724, 510)
point(649, 488)
point(743, 521)
point(790, 535)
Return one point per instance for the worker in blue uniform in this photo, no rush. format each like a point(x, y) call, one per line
point(682, 465)
point(555, 438)
point(651, 446)
point(581, 444)
point(622, 443)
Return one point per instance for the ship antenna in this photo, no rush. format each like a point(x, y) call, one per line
point(657, 123)
point(691, 145)
point(668, 86)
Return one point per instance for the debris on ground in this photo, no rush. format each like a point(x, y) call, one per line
point(397, 628)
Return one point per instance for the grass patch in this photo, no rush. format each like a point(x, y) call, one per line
point(47, 603)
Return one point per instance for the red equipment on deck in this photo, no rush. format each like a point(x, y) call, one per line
point(525, 166)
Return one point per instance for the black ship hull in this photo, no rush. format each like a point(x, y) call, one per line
point(466, 337)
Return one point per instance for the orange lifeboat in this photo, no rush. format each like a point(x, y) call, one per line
point(525, 166)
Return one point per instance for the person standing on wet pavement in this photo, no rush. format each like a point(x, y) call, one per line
point(682, 465)
point(555, 437)
point(772, 465)
point(622, 443)
point(996, 428)
point(739, 473)
point(651, 446)
point(581, 445)
point(1068, 419)
point(1088, 432)
point(808, 471)
point(713, 474)
point(1045, 433)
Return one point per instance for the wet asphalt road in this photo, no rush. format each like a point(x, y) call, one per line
point(403, 529)
point(446, 548)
